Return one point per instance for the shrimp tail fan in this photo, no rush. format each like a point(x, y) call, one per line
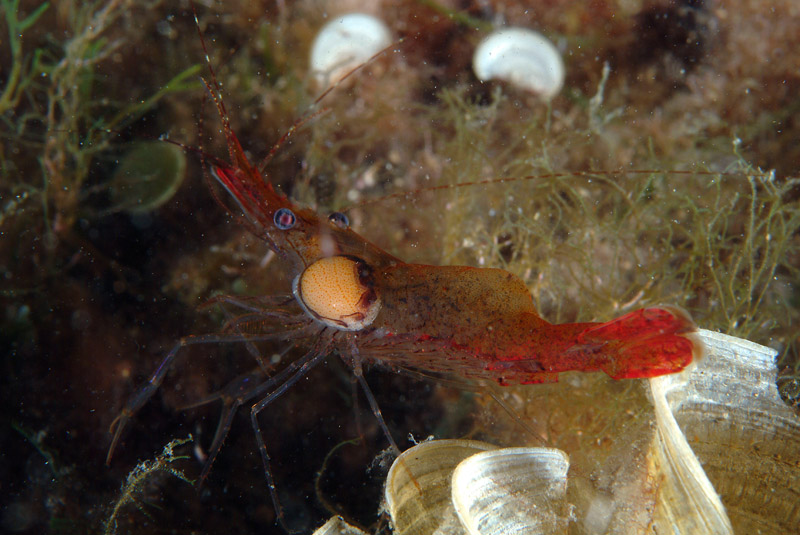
point(646, 343)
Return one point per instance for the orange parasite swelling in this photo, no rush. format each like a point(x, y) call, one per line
point(337, 291)
point(352, 298)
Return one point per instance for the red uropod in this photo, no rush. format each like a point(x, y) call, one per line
point(351, 297)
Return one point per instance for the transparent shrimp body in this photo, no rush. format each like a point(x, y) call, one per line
point(351, 297)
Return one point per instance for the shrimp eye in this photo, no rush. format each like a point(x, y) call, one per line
point(339, 291)
point(284, 219)
point(339, 219)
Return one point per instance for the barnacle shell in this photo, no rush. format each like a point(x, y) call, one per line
point(345, 43)
point(722, 456)
point(522, 57)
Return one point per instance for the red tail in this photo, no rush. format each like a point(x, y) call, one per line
point(646, 343)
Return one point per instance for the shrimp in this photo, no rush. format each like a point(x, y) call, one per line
point(472, 322)
point(351, 297)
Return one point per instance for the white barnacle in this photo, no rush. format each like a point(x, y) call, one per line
point(522, 57)
point(344, 43)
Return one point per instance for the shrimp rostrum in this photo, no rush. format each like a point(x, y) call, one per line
point(352, 298)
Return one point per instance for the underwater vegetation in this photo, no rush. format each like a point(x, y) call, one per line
point(667, 177)
point(139, 476)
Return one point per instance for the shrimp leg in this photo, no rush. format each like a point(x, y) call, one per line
point(300, 367)
point(146, 391)
point(234, 395)
point(358, 371)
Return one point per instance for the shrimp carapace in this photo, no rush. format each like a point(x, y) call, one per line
point(298, 234)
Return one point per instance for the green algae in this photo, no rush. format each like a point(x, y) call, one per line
point(148, 175)
point(143, 475)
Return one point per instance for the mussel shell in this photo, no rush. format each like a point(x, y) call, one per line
point(418, 486)
point(344, 43)
point(530, 483)
point(524, 58)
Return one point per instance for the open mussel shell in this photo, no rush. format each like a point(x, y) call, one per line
point(715, 452)
point(147, 177)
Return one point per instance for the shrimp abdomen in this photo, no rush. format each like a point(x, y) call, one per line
point(482, 323)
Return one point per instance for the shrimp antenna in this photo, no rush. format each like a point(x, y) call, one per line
point(215, 91)
point(235, 151)
point(405, 195)
point(313, 114)
point(358, 68)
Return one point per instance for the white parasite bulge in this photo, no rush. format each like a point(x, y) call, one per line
point(522, 57)
point(345, 43)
